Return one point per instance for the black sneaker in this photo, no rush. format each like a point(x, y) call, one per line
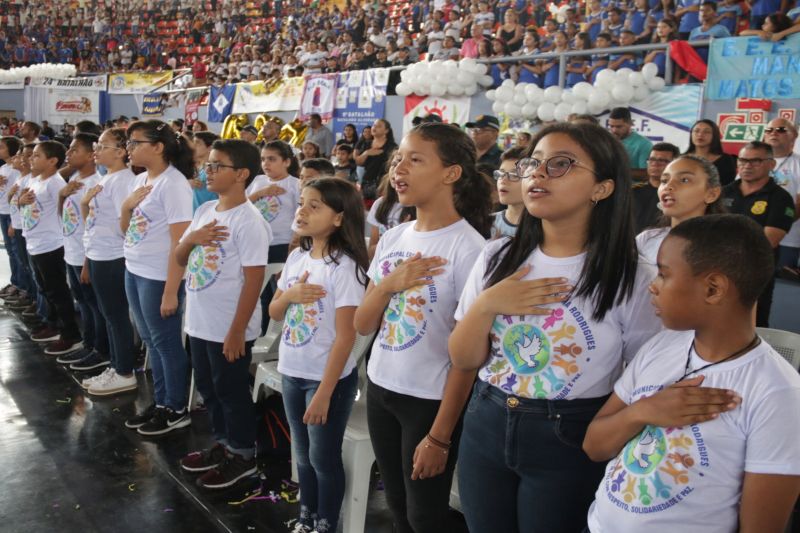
point(231, 470)
point(204, 460)
point(89, 362)
point(142, 418)
point(164, 421)
point(73, 357)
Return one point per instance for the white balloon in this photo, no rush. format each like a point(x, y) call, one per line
point(623, 73)
point(402, 89)
point(533, 93)
point(480, 69)
point(471, 89)
point(579, 108)
point(546, 111)
point(520, 99)
point(498, 107)
point(622, 92)
point(490, 94)
point(437, 89)
point(467, 63)
point(463, 77)
point(641, 93)
point(529, 110)
point(650, 70)
point(568, 96)
point(599, 99)
point(636, 79)
point(504, 93)
point(486, 81)
point(455, 89)
point(450, 65)
point(595, 108)
point(582, 90)
point(562, 111)
point(656, 84)
point(513, 110)
point(508, 83)
point(552, 94)
point(604, 76)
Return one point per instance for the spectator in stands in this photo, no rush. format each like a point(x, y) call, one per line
point(309, 150)
point(511, 31)
point(757, 196)
point(470, 46)
point(576, 67)
point(529, 72)
point(708, 27)
point(373, 159)
point(320, 134)
point(666, 31)
point(614, 24)
point(311, 169)
point(523, 138)
point(636, 21)
point(645, 194)
point(761, 9)
point(448, 50)
point(47, 131)
point(598, 61)
point(550, 66)
point(705, 140)
point(30, 132)
point(781, 135)
point(484, 131)
point(249, 134)
point(500, 71)
point(631, 60)
point(403, 57)
point(349, 135)
point(270, 131)
point(620, 124)
point(775, 24)
point(729, 13)
point(688, 13)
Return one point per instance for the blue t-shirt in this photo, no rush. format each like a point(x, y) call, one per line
point(596, 26)
point(699, 34)
point(690, 20)
point(202, 195)
point(730, 22)
point(574, 78)
point(765, 7)
point(638, 20)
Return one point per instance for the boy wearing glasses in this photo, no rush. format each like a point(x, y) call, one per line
point(509, 194)
point(781, 134)
point(756, 195)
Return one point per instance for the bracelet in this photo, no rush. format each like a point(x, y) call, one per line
point(429, 445)
point(437, 443)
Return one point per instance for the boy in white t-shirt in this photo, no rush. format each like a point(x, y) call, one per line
point(225, 251)
point(702, 426)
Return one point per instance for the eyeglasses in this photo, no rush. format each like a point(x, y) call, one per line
point(555, 167)
point(658, 160)
point(503, 175)
point(130, 145)
point(779, 129)
point(97, 147)
point(754, 161)
point(214, 167)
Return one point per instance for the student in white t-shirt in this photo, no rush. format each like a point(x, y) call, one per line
point(415, 400)
point(9, 146)
point(321, 285)
point(701, 430)
point(42, 226)
point(104, 264)
point(549, 317)
point(154, 217)
point(224, 251)
point(80, 158)
point(27, 282)
point(276, 194)
point(690, 187)
point(509, 194)
point(386, 211)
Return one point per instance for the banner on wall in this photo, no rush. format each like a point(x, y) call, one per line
point(319, 96)
point(72, 105)
point(137, 82)
point(220, 102)
point(256, 96)
point(194, 100)
point(748, 67)
point(360, 99)
point(97, 83)
point(153, 105)
point(452, 110)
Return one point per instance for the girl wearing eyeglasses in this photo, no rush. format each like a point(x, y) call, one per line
point(509, 194)
point(105, 265)
point(415, 399)
point(548, 317)
point(154, 218)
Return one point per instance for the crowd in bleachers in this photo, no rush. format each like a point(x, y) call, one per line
point(239, 40)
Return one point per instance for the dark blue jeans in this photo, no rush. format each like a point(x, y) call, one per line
point(37, 294)
point(225, 388)
point(95, 335)
point(163, 339)
point(108, 280)
point(317, 449)
point(522, 469)
point(51, 275)
point(787, 256)
point(24, 273)
point(5, 223)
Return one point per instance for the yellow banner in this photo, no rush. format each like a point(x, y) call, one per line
point(136, 82)
point(257, 96)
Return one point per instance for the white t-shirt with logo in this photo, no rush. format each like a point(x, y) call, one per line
point(40, 221)
point(787, 175)
point(309, 330)
point(72, 221)
point(12, 175)
point(566, 354)
point(691, 477)
point(278, 210)
point(215, 275)
point(393, 219)
point(14, 211)
point(102, 238)
point(147, 241)
point(410, 353)
point(649, 241)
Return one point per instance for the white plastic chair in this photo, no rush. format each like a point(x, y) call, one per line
point(785, 343)
point(455, 497)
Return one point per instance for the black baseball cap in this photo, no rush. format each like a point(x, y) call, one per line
point(484, 121)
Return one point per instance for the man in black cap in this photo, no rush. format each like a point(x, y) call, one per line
point(484, 131)
point(249, 134)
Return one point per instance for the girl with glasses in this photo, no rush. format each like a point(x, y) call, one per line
point(509, 194)
point(547, 317)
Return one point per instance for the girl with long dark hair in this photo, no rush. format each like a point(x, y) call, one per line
point(706, 141)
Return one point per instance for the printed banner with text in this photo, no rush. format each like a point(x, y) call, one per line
point(360, 99)
point(319, 96)
point(137, 82)
point(453, 110)
point(256, 96)
point(153, 105)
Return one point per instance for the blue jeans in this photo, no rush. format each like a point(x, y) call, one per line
point(522, 469)
point(95, 335)
point(11, 250)
point(225, 388)
point(317, 449)
point(37, 294)
point(24, 274)
point(162, 336)
point(787, 256)
point(108, 280)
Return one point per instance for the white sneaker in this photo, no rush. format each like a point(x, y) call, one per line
point(113, 384)
point(88, 382)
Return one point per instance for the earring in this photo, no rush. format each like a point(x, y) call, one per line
point(594, 203)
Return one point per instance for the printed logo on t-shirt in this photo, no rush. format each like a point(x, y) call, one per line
point(539, 356)
point(91, 217)
point(31, 214)
point(70, 220)
point(204, 267)
point(657, 469)
point(269, 207)
point(137, 228)
point(301, 321)
point(404, 321)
